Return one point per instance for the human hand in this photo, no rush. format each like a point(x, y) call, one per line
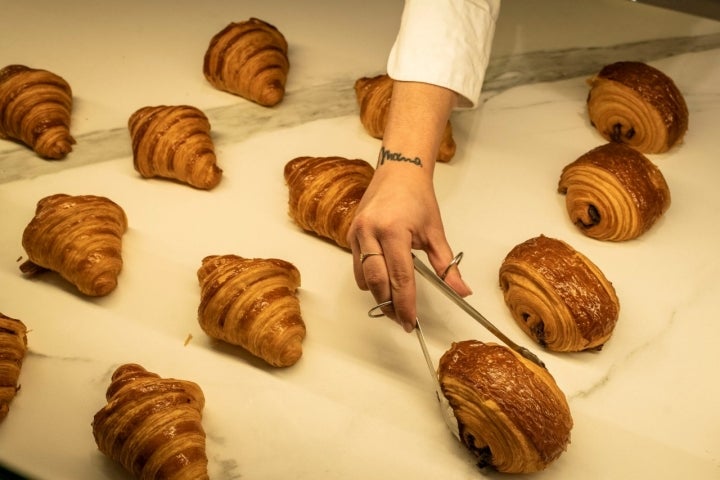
point(398, 213)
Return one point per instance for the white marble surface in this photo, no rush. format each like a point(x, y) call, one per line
point(359, 404)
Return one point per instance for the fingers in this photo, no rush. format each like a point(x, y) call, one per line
point(390, 277)
point(386, 270)
point(447, 267)
point(370, 271)
point(401, 274)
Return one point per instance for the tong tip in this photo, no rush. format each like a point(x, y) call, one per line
point(532, 357)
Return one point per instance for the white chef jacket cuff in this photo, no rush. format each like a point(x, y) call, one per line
point(445, 43)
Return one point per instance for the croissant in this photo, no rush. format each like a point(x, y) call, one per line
point(613, 192)
point(35, 108)
point(152, 425)
point(78, 237)
point(511, 413)
point(324, 193)
point(558, 296)
point(13, 347)
point(636, 104)
point(373, 96)
point(174, 142)
point(249, 59)
point(252, 302)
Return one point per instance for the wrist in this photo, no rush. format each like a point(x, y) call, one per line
point(393, 166)
point(388, 155)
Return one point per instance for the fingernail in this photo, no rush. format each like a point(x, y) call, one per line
point(408, 326)
point(467, 288)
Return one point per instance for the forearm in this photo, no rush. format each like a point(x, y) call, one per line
point(417, 117)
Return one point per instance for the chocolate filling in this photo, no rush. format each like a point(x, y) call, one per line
point(538, 330)
point(483, 454)
point(594, 216)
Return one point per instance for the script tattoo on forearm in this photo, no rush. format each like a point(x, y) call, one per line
point(387, 155)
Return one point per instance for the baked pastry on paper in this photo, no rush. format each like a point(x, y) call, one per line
point(324, 193)
point(35, 109)
point(79, 237)
point(558, 296)
point(13, 348)
point(252, 302)
point(638, 105)
point(174, 142)
point(152, 426)
point(511, 413)
point(614, 192)
point(249, 59)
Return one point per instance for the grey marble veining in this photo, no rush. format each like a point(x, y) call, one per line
point(629, 355)
point(547, 66)
point(237, 121)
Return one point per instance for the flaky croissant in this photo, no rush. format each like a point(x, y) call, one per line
point(252, 302)
point(324, 193)
point(636, 104)
point(613, 192)
point(35, 108)
point(373, 96)
point(558, 296)
point(249, 59)
point(511, 413)
point(174, 142)
point(13, 347)
point(153, 425)
point(79, 237)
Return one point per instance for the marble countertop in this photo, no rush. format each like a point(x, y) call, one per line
point(359, 404)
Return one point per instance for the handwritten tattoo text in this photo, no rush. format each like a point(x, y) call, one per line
point(387, 155)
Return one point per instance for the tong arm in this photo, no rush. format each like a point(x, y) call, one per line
point(430, 275)
point(445, 408)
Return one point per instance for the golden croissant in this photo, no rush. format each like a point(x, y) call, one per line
point(324, 193)
point(152, 426)
point(13, 347)
point(79, 237)
point(252, 302)
point(636, 104)
point(174, 142)
point(613, 192)
point(249, 59)
point(35, 108)
point(558, 296)
point(373, 95)
point(511, 413)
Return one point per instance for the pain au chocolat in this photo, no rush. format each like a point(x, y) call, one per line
point(558, 296)
point(638, 105)
point(79, 237)
point(253, 303)
point(324, 193)
point(13, 348)
point(511, 413)
point(614, 192)
point(35, 109)
point(152, 426)
point(373, 96)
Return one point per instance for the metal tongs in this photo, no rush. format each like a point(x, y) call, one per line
point(445, 408)
point(430, 275)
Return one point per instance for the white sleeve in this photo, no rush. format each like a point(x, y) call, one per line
point(445, 43)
